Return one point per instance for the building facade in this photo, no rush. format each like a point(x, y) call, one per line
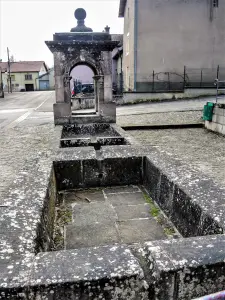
point(47, 80)
point(173, 41)
point(24, 75)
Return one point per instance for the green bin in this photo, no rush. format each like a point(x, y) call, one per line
point(208, 111)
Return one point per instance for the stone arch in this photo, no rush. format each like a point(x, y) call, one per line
point(89, 62)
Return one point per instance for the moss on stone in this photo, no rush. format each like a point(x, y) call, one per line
point(154, 210)
point(62, 218)
point(169, 231)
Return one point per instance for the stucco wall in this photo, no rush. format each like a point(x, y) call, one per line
point(128, 46)
point(175, 33)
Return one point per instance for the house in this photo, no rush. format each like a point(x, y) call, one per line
point(47, 80)
point(24, 74)
point(171, 44)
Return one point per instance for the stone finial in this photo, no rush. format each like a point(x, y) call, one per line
point(107, 29)
point(80, 14)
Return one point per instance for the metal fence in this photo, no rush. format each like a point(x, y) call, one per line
point(178, 81)
point(202, 78)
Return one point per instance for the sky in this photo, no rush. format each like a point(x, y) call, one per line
point(26, 24)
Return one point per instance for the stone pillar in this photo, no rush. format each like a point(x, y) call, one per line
point(107, 67)
point(67, 92)
point(62, 107)
point(59, 85)
point(96, 89)
point(107, 106)
point(100, 94)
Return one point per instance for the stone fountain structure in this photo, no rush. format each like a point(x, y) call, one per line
point(82, 46)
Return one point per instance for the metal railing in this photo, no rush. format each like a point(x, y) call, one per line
point(173, 81)
point(220, 87)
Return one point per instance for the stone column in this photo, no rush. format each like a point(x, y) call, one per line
point(67, 92)
point(59, 86)
point(62, 107)
point(101, 94)
point(96, 89)
point(107, 67)
point(107, 106)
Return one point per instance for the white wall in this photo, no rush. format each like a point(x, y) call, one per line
point(177, 33)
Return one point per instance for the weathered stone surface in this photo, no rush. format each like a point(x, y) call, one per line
point(131, 171)
point(90, 235)
point(126, 199)
point(68, 174)
point(186, 268)
point(126, 212)
point(134, 231)
point(121, 189)
point(82, 46)
point(94, 196)
point(101, 272)
point(94, 213)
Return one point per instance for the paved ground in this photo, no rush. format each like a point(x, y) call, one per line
point(195, 147)
point(33, 108)
point(17, 108)
point(163, 118)
point(108, 216)
point(21, 112)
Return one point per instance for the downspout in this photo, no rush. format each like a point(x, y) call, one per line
point(135, 42)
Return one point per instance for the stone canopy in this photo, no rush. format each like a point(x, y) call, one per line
point(82, 46)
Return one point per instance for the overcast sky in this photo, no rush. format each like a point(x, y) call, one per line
point(26, 24)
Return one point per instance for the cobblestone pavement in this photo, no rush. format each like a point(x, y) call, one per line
point(165, 118)
point(195, 147)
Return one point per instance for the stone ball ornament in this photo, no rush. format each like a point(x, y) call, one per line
point(80, 14)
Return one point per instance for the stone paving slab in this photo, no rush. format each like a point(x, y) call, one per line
point(126, 212)
point(134, 231)
point(94, 213)
point(126, 198)
point(84, 197)
point(123, 217)
point(90, 235)
point(121, 189)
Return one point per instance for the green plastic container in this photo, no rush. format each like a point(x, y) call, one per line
point(208, 111)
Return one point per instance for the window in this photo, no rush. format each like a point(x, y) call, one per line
point(16, 84)
point(215, 3)
point(28, 77)
point(12, 77)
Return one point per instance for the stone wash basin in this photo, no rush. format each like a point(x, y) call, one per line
point(109, 201)
point(109, 237)
point(96, 135)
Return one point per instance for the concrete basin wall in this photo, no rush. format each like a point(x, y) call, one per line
point(218, 120)
point(182, 268)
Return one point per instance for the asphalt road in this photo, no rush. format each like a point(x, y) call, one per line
point(31, 108)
